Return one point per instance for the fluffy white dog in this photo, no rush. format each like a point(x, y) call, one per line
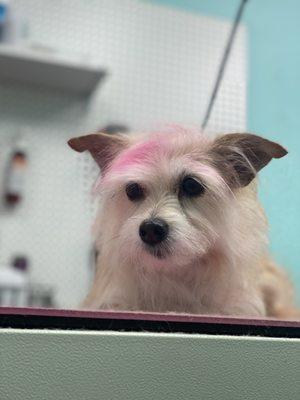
point(180, 228)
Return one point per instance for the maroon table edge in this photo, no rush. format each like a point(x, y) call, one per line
point(31, 318)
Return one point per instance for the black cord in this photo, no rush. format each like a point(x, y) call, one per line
point(223, 63)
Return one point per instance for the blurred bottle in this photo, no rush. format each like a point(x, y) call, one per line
point(13, 27)
point(20, 263)
point(14, 181)
point(14, 282)
point(3, 18)
point(41, 296)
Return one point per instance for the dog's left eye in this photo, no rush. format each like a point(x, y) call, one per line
point(134, 191)
point(191, 187)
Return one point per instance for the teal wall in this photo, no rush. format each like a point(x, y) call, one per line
point(273, 108)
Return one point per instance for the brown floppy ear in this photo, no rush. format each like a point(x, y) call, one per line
point(103, 148)
point(239, 156)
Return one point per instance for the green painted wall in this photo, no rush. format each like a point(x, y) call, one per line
point(273, 108)
point(62, 365)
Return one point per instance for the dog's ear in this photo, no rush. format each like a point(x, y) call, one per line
point(103, 147)
point(239, 156)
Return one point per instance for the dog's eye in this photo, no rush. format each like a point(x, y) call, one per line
point(134, 191)
point(191, 187)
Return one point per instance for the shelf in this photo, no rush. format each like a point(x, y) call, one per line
point(47, 68)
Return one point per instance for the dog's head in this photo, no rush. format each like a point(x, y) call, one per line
point(168, 198)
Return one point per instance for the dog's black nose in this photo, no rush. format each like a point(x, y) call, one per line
point(153, 231)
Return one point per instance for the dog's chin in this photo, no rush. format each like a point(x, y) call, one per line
point(155, 258)
point(161, 258)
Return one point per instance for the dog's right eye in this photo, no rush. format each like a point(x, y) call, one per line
point(134, 192)
point(191, 187)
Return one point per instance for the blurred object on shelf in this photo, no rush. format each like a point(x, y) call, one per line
point(3, 17)
point(41, 296)
point(16, 290)
point(13, 287)
point(20, 263)
point(14, 180)
point(13, 26)
point(14, 282)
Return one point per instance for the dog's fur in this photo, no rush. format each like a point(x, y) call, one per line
point(214, 260)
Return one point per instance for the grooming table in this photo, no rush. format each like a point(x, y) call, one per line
point(62, 354)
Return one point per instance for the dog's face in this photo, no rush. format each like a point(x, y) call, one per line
point(168, 199)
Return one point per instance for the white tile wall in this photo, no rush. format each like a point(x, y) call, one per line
point(161, 63)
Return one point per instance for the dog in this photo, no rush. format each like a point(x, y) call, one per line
point(180, 228)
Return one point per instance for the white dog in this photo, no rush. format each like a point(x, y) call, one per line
point(180, 228)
